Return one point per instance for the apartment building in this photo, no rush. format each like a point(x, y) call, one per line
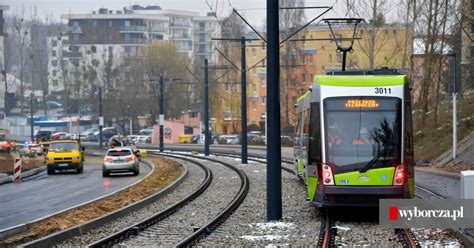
point(106, 36)
point(299, 65)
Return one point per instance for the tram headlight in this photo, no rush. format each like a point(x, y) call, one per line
point(327, 175)
point(399, 177)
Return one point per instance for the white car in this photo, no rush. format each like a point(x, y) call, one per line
point(88, 132)
point(143, 139)
point(122, 159)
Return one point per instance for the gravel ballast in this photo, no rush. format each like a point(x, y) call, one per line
point(194, 179)
point(248, 226)
point(301, 222)
point(221, 191)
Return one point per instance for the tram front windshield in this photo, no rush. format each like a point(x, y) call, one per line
point(362, 130)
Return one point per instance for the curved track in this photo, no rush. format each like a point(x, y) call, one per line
point(147, 229)
point(328, 231)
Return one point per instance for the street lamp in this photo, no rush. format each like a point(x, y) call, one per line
point(454, 96)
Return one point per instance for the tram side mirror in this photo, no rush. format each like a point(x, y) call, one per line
point(83, 148)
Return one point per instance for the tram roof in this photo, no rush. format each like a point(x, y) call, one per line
point(360, 80)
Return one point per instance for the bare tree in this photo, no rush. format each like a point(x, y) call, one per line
point(374, 11)
point(290, 21)
point(38, 55)
point(16, 44)
point(162, 60)
point(225, 103)
point(431, 20)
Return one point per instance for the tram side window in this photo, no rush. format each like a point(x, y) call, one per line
point(306, 122)
point(297, 129)
point(315, 134)
point(305, 128)
point(408, 128)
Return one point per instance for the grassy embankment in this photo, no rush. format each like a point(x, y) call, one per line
point(432, 140)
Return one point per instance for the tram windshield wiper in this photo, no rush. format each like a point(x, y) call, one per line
point(374, 160)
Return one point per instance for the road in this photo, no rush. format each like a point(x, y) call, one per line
point(44, 194)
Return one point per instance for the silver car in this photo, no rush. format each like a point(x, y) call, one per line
point(120, 159)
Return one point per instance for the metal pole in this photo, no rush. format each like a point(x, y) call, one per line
point(70, 123)
point(244, 103)
point(454, 125)
point(5, 105)
point(131, 119)
point(454, 109)
point(162, 115)
point(32, 121)
point(344, 54)
point(101, 117)
point(274, 208)
point(266, 126)
point(206, 108)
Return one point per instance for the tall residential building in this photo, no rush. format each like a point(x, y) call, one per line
point(102, 38)
point(205, 28)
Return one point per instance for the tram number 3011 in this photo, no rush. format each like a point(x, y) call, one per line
point(379, 90)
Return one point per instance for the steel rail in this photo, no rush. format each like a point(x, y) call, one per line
point(327, 232)
point(136, 228)
point(405, 235)
point(224, 214)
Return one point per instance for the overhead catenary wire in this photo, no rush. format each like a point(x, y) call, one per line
point(225, 57)
point(248, 24)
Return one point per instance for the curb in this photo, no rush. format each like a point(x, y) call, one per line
point(5, 233)
point(71, 232)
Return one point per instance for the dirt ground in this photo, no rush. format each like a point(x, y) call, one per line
point(166, 171)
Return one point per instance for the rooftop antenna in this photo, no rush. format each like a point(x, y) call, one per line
point(344, 45)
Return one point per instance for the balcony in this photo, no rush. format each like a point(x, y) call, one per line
point(181, 24)
point(181, 38)
point(135, 28)
point(156, 29)
point(207, 30)
point(134, 41)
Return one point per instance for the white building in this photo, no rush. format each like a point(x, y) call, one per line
point(92, 39)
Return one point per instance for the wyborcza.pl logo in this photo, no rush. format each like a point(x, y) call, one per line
point(418, 213)
point(409, 214)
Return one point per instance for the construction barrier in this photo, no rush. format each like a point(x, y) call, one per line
point(17, 170)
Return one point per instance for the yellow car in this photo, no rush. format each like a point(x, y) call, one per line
point(65, 155)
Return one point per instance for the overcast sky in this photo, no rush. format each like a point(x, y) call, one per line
point(253, 10)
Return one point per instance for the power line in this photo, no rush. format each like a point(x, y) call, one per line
point(248, 24)
point(306, 25)
point(223, 55)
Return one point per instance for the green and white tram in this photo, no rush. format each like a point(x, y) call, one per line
point(353, 140)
